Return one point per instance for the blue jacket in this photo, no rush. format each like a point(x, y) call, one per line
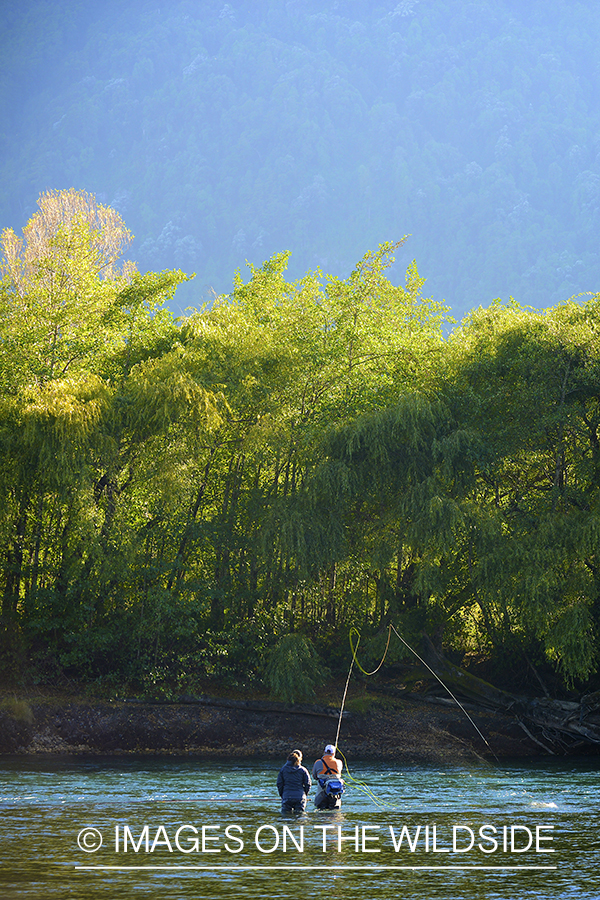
point(293, 782)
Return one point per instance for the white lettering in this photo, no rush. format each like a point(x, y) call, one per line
point(488, 837)
point(434, 846)
point(287, 833)
point(209, 837)
point(324, 829)
point(144, 836)
point(164, 841)
point(233, 837)
point(455, 830)
point(367, 837)
point(540, 837)
point(513, 831)
point(348, 837)
point(257, 842)
point(194, 844)
point(405, 833)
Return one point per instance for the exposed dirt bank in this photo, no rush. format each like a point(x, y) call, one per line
point(404, 730)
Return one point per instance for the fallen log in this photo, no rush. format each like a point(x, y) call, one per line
point(557, 722)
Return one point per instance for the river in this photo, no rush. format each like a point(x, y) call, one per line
point(165, 828)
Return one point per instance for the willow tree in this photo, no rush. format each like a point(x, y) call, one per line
point(529, 383)
point(293, 360)
point(60, 282)
point(473, 500)
point(57, 289)
point(386, 501)
point(76, 321)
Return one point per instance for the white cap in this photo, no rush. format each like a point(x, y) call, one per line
point(329, 750)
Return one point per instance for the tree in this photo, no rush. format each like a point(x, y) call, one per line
point(76, 322)
point(60, 283)
point(529, 384)
point(474, 504)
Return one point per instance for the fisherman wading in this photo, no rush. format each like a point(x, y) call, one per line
point(328, 771)
point(293, 784)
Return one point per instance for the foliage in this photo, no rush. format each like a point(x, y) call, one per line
point(181, 501)
point(294, 669)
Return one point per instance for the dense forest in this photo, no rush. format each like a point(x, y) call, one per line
point(226, 495)
point(226, 132)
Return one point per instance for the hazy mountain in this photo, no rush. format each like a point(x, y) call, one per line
point(225, 132)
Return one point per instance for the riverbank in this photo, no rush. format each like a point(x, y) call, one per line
point(406, 730)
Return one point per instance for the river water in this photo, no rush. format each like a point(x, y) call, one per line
point(187, 828)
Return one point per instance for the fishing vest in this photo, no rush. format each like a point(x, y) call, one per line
point(328, 769)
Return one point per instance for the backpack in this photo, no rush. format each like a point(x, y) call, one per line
point(332, 786)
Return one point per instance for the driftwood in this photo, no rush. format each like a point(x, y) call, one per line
point(300, 709)
point(555, 725)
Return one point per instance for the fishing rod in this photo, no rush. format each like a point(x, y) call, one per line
point(421, 660)
point(355, 660)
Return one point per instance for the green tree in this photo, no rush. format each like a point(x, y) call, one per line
point(79, 332)
point(70, 250)
point(528, 383)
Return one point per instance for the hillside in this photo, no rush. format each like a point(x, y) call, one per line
point(226, 132)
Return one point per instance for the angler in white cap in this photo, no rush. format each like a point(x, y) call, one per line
point(328, 771)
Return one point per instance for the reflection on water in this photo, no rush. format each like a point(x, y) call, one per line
point(174, 828)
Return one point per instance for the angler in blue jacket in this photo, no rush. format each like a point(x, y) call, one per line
point(293, 783)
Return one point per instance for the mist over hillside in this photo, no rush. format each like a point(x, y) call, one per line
point(227, 132)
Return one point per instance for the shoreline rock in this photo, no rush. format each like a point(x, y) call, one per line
point(405, 731)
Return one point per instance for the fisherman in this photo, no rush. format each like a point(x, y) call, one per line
point(325, 769)
point(293, 783)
